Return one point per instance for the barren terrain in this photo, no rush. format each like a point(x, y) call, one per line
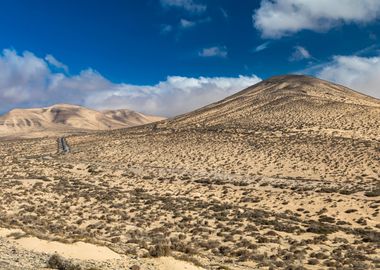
point(283, 175)
point(66, 119)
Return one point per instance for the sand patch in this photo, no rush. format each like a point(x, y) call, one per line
point(169, 263)
point(78, 250)
point(7, 232)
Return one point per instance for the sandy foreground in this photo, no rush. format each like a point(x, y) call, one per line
point(32, 253)
point(213, 209)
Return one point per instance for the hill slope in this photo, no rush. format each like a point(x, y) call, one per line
point(66, 119)
point(131, 118)
point(292, 102)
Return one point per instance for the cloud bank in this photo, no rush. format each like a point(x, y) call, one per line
point(278, 18)
point(174, 96)
point(359, 73)
point(28, 81)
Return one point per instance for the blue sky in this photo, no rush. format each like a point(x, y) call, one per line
point(171, 56)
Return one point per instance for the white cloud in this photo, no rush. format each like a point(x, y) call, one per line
point(54, 62)
point(278, 18)
point(26, 80)
point(188, 5)
point(359, 73)
point(19, 76)
point(300, 53)
point(218, 51)
point(186, 23)
point(262, 47)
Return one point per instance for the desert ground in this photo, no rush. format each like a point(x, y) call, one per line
point(283, 175)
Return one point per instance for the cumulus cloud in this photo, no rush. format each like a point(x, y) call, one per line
point(188, 5)
point(278, 18)
point(217, 51)
point(359, 73)
point(27, 80)
point(300, 53)
point(19, 76)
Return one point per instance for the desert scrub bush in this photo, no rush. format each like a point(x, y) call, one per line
point(211, 244)
point(228, 238)
point(329, 263)
point(372, 193)
point(319, 255)
point(361, 221)
point(261, 239)
point(321, 228)
point(327, 190)
point(242, 254)
point(250, 200)
point(247, 244)
point(250, 228)
point(57, 262)
point(159, 250)
point(285, 227)
point(368, 236)
point(327, 219)
point(222, 250)
point(312, 261)
point(348, 191)
point(342, 222)
point(178, 245)
point(254, 215)
point(340, 240)
point(115, 239)
point(223, 267)
point(240, 183)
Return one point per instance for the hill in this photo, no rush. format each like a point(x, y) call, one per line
point(63, 119)
point(292, 102)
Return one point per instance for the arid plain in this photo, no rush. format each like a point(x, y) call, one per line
point(283, 175)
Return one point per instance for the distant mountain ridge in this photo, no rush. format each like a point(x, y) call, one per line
point(61, 119)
